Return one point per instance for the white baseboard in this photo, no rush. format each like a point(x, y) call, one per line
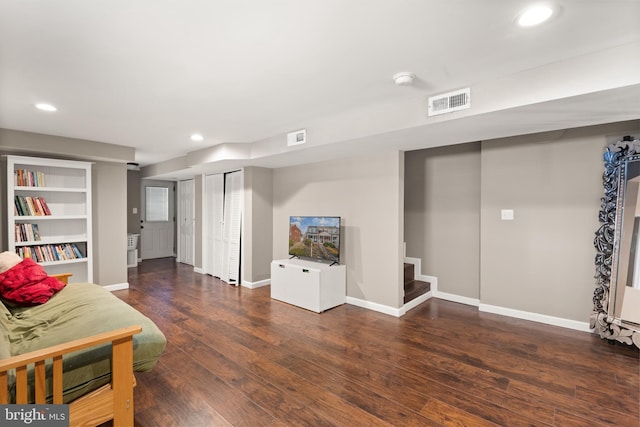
point(415, 302)
point(374, 306)
point(457, 298)
point(198, 270)
point(117, 287)
point(385, 309)
point(536, 317)
point(254, 285)
point(518, 314)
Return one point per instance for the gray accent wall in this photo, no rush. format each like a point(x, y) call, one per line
point(442, 215)
point(540, 262)
point(257, 240)
point(367, 193)
point(109, 223)
point(133, 201)
point(543, 260)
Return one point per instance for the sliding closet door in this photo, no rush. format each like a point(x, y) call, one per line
point(232, 226)
point(213, 224)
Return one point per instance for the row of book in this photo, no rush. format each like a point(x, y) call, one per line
point(27, 232)
point(25, 178)
point(31, 206)
point(49, 253)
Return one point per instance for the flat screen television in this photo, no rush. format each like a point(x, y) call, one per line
point(315, 237)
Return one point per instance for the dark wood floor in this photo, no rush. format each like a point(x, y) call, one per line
point(236, 357)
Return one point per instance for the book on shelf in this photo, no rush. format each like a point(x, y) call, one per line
point(36, 232)
point(31, 206)
point(45, 207)
point(27, 233)
point(21, 205)
point(25, 178)
point(51, 253)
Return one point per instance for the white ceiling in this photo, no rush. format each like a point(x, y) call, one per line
point(148, 73)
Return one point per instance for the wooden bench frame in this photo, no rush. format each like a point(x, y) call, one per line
point(112, 401)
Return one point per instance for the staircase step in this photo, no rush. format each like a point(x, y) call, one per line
point(409, 273)
point(414, 289)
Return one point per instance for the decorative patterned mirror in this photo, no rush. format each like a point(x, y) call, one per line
point(616, 300)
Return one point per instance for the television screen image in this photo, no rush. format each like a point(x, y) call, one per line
point(315, 237)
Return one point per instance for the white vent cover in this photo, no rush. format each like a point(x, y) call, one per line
point(296, 138)
point(449, 102)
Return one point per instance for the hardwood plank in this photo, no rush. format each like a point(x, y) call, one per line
point(565, 419)
point(237, 357)
point(526, 392)
point(451, 416)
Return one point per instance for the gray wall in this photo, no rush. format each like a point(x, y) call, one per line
point(442, 215)
point(541, 262)
point(133, 201)
point(367, 193)
point(257, 240)
point(109, 223)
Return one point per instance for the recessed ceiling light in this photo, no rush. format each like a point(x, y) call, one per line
point(197, 137)
point(46, 107)
point(535, 15)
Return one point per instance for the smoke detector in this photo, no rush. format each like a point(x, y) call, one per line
point(404, 79)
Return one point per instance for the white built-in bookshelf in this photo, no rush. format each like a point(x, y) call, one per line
point(49, 214)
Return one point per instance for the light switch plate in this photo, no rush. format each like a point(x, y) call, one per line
point(506, 214)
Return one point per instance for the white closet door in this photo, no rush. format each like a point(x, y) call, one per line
point(214, 214)
point(232, 226)
point(186, 196)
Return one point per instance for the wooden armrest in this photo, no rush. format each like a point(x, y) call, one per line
point(119, 339)
point(63, 277)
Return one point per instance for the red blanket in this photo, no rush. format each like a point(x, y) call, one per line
point(26, 283)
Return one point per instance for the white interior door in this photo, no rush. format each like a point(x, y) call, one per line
point(213, 224)
point(157, 226)
point(186, 215)
point(232, 225)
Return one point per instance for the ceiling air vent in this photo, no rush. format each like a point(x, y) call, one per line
point(296, 138)
point(449, 102)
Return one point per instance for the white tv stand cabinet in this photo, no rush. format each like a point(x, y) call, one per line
point(308, 284)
